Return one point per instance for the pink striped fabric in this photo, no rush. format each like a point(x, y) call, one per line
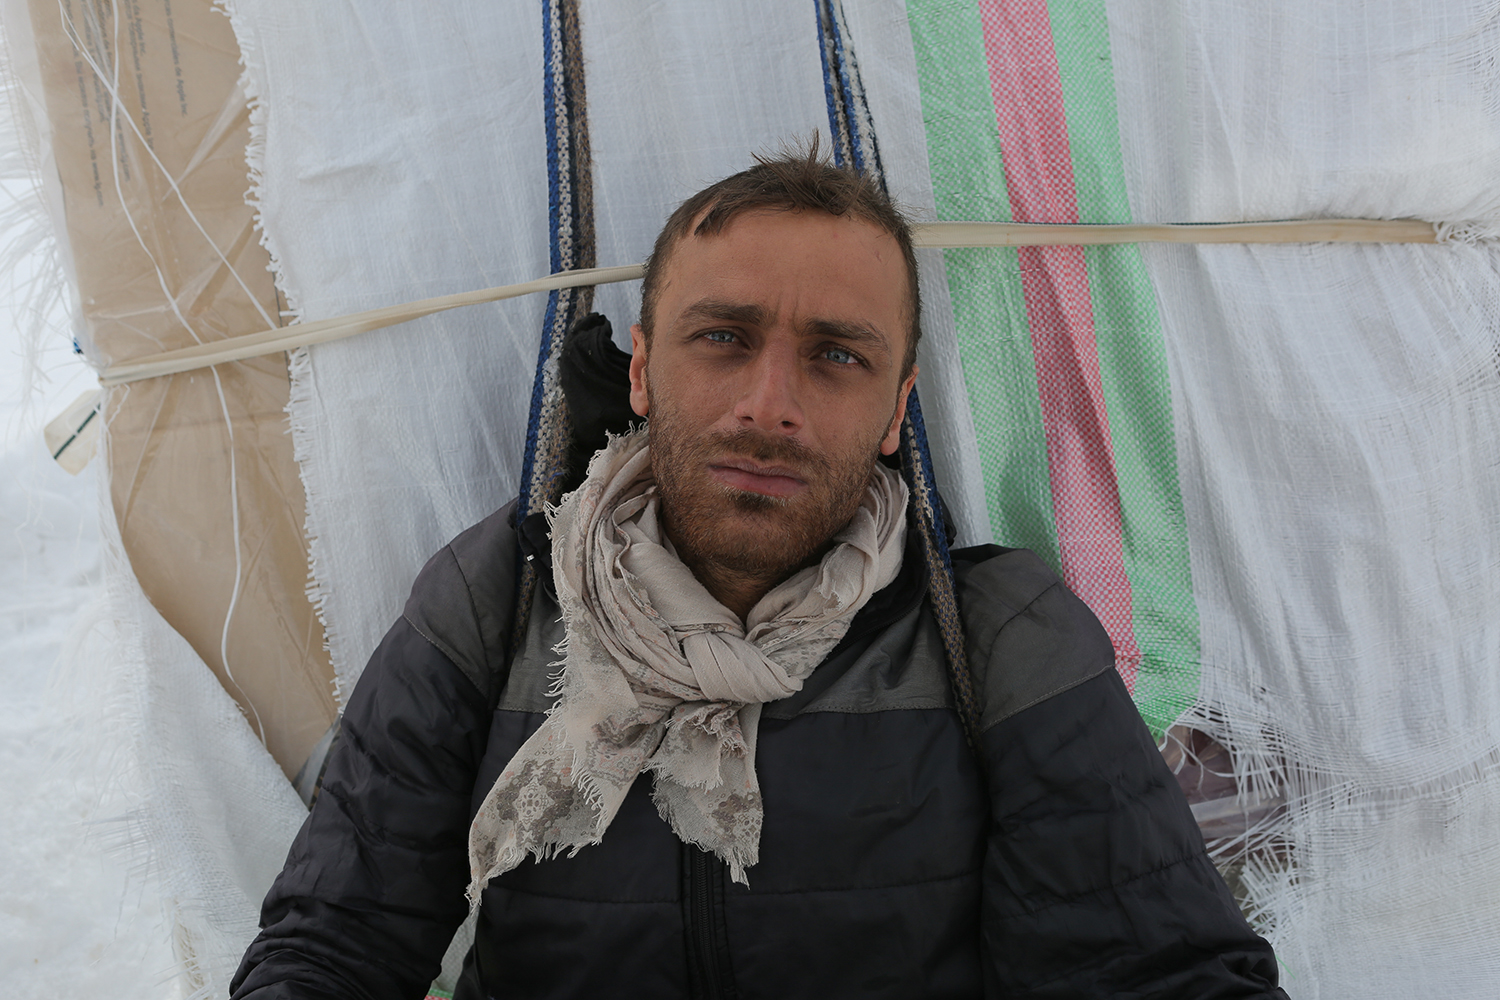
point(1039, 174)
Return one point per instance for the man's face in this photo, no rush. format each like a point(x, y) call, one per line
point(772, 381)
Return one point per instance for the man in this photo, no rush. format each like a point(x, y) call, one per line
point(747, 644)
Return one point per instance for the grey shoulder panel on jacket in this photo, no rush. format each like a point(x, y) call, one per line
point(463, 601)
point(1028, 636)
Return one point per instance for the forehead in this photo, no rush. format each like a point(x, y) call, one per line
point(791, 260)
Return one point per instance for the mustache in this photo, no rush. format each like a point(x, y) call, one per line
point(765, 449)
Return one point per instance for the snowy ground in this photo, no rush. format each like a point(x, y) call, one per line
point(75, 920)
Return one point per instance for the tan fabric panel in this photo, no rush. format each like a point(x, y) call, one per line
point(168, 444)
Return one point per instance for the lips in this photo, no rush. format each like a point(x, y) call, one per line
point(752, 477)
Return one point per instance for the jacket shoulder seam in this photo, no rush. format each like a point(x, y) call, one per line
point(475, 673)
point(1054, 692)
point(1066, 685)
point(435, 644)
point(469, 596)
point(990, 648)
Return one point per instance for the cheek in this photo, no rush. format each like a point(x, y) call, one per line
point(683, 407)
point(701, 400)
point(854, 425)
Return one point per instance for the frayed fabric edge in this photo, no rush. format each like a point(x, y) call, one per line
point(513, 855)
point(303, 394)
point(253, 84)
point(1276, 867)
point(736, 861)
point(1470, 231)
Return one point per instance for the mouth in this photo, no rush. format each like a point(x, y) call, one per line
point(752, 477)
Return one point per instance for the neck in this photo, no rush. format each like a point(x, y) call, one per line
point(735, 581)
point(737, 591)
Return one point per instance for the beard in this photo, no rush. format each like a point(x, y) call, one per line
point(740, 531)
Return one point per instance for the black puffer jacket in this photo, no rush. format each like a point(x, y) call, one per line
point(891, 865)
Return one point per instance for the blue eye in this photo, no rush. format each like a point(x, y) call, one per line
point(839, 356)
point(720, 336)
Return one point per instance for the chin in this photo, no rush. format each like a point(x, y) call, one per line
point(748, 532)
point(750, 502)
point(766, 535)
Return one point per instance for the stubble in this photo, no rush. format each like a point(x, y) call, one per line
point(751, 535)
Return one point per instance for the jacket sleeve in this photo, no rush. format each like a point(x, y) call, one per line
point(373, 886)
point(1096, 881)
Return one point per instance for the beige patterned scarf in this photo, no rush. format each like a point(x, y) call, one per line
point(659, 676)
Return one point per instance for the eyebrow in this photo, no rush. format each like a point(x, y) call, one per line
point(726, 312)
point(852, 333)
point(750, 314)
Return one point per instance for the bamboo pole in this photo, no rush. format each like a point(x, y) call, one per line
point(945, 235)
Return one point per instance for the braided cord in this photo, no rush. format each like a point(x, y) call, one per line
point(916, 467)
point(570, 198)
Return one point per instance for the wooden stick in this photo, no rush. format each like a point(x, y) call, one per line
point(946, 235)
point(322, 331)
point(1020, 234)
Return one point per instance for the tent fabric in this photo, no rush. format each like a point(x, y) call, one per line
point(1272, 470)
point(1335, 411)
point(1305, 484)
point(1087, 408)
point(159, 246)
point(208, 666)
point(220, 811)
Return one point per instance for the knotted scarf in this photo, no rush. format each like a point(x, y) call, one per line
point(657, 675)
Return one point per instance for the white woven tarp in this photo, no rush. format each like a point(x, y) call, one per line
point(219, 813)
point(1333, 409)
point(1337, 411)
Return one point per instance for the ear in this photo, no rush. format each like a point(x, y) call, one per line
point(640, 400)
point(892, 439)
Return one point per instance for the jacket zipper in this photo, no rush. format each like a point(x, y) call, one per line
point(708, 978)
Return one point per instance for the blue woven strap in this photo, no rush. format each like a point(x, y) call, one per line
point(571, 243)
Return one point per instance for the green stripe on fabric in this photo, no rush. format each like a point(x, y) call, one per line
point(1133, 371)
point(1154, 544)
point(989, 310)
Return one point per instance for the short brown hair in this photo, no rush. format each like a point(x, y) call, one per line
point(797, 180)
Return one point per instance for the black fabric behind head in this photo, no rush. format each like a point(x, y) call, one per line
point(595, 376)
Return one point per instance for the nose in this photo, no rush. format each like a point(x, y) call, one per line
point(769, 396)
